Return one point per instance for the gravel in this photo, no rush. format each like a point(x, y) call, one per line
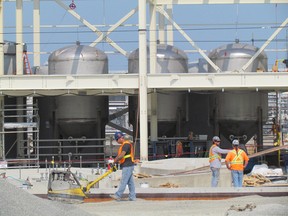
point(16, 201)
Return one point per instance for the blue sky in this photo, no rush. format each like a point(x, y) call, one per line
point(210, 26)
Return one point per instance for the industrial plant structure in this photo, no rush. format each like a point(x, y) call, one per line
point(60, 112)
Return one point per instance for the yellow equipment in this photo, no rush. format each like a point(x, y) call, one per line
point(65, 186)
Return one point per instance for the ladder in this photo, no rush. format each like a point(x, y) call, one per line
point(26, 63)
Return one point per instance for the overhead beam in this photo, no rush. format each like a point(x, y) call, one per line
point(161, 2)
point(115, 26)
point(106, 84)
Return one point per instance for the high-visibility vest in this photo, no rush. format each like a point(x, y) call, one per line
point(212, 156)
point(131, 155)
point(238, 159)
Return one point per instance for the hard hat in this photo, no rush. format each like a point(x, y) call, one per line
point(118, 135)
point(216, 138)
point(235, 142)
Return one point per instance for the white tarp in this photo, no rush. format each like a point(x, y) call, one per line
point(265, 171)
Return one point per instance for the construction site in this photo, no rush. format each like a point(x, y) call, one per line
point(62, 102)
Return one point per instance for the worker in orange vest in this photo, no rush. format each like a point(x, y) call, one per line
point(179, 149)
point(215, 160)
point(125, 158)
point(236, 161)
point(276, 132)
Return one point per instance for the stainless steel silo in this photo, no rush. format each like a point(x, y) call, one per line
point(78, 59)
point(170, 105)
point(232, 57)
point(79, 116)
point(238, 113)
point(79, 119)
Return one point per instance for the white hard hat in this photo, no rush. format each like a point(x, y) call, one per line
point(216, 138)
point(235, 142)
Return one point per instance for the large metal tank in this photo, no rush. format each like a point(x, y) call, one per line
point(170, 105)
point(10, 57)
point(238, 113)
point(232, 57)
point(79, 116)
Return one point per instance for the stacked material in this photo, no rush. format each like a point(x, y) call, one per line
point(254, 180)
point(18, 202)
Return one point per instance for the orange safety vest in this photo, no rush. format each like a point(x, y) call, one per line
point(237, 160)
point(212, 156)
point(131, 155)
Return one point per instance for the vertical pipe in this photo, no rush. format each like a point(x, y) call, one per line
point(1, 39)
point(260, 130)
point(20, 136)
point(36, 30)
point(143, 81)
point(19, 37)
point(153, 62)
point(2, 142)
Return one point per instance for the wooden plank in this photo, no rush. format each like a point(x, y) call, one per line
point(267, 151)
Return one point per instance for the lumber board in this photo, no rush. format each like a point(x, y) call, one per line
point(267, 151)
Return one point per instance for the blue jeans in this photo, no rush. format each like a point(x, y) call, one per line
point(237, 178)
point(215, 176)
point(127, 179)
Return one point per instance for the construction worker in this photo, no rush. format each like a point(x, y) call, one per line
point(276, 132)
point(191, 144)
point(125, 158)
point(215, 160)
point(285, 159)
point(236, 161)
point(179, 149)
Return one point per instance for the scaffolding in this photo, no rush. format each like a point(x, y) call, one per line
point(20, 131)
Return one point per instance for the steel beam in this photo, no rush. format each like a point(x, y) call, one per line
point(160, 2)
point(106, 84)
point(1, 39)
point(19, 37)
point(143, 114)
point(36, 32)
point(92, 27)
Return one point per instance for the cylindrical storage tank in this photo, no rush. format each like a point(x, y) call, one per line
point(78, 59)
point(170, 105)
point(239, 113)
point(232, 57)
point(79, 116)
point(9, 49)
point(169, 60)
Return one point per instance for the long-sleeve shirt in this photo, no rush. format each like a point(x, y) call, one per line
point(218, 151)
